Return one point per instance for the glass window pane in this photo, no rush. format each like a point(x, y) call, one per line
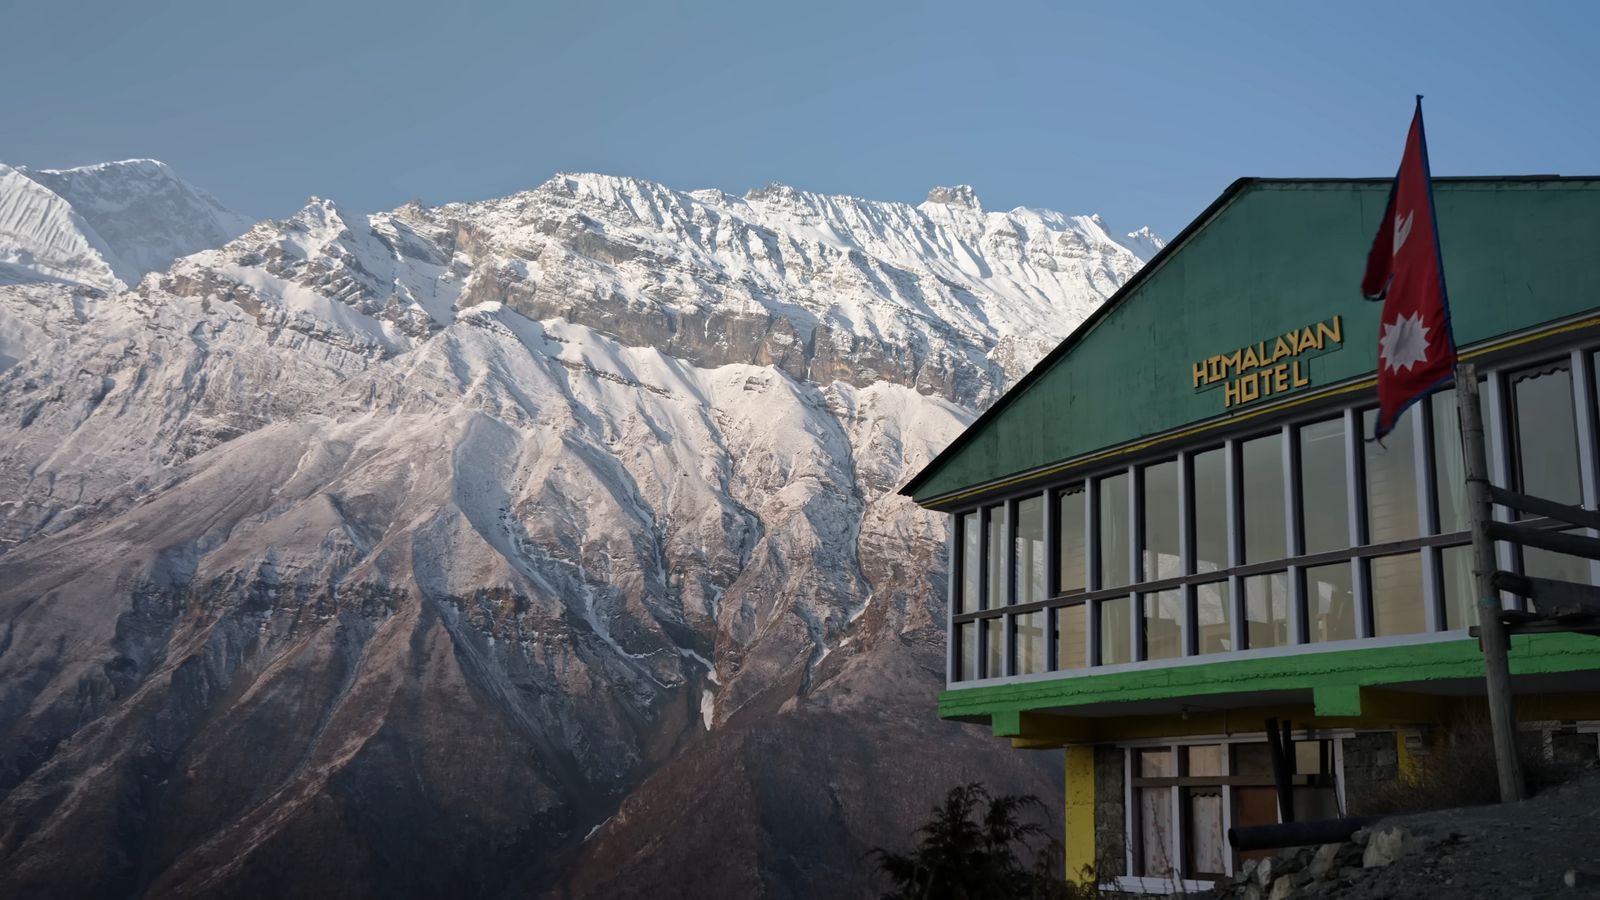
point(1163, 613)
point(1266, 600)
point(1072, 624)
point(1324, 489)
point(1391, 482)
point(967, 651)
point(1115, 636)
point(1155, 832)
point(1252, 759)
point(1545, 564)
point(1546, 433)
point(995, 546)
point(1262, 461)
point(1449, 471)
point(1204, 759)
point(1330, 603)
point(1212, 617)
point(1210, 512)
point(1113, 533)
point(1203, 832)
point(1156, 764)
point(1397, 606)
point(1460, 591)
point(971, 562)
point(1072, 545)
point(1309, 757)
point(1030, 643)
point(1029, 550)
point(1160, 548)
point(994, 640)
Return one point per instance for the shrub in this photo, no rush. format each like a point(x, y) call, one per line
point(1459, 770)
point(978, 847)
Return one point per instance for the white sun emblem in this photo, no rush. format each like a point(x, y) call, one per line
point(1404, 343)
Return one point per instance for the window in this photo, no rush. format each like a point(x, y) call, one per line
point(1072, 627)
point(1460, 587)
point(971, 563)
point(1449, 469)
point(1030, 642)
point(1391, 469)
point(1157, 843)
point(967, 651)
point(1210, 510)
point(1204, 841)
point(1324, 486)
point(1397, 603)
point(1203, 832)
point(1213, 618)
point(1029, 552)
point(1266, 600)
point(1264, 530)
point(1184, 794)
point(1160, 514)
point(1114, 531)
point(995, 595)
point(1331, 540)
point(1116, 631)
point(994, 643)
point(1545, 433)
point(1163, 624)
point(1559, 566)
point(1330, 603)
point(1074, 550)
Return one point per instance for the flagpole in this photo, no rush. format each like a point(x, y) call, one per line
point(1491, 627)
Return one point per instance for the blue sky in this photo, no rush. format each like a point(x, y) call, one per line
point(1142, 111)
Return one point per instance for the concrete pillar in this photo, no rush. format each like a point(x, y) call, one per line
point(1079, 837)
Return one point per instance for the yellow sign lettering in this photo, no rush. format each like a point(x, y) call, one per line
point(1252, 372)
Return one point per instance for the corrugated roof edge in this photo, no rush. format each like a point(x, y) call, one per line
point(1227, 196)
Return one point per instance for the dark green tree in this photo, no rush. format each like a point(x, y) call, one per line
point(978, 847)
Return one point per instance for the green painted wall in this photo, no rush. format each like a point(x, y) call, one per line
point(1364, 667)
point(1283, 255)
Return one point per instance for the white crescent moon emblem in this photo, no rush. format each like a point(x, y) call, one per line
point(1402, 228)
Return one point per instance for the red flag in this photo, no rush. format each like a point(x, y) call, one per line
point(1416, 351)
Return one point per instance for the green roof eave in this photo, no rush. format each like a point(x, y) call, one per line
point(1265, 256)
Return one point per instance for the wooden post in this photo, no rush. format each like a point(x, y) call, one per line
point(1491, 628)
point(1280, 750)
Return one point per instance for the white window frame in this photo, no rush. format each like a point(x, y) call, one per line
point(1145, 884)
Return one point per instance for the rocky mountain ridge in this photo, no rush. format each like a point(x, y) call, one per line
point(104, 225)
point(476, 533)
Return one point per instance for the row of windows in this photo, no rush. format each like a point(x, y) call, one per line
point(1185, 797)
point(1304, 534)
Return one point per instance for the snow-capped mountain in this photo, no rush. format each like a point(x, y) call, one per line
point(105, 225)
point(1144, 243)
point(504, 540)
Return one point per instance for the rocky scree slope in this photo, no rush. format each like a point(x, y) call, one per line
point(541, 543)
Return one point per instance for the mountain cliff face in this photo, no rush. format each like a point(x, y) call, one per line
point(104, 225)
point(545, 544)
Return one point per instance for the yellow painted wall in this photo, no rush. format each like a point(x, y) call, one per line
point(1079, 842)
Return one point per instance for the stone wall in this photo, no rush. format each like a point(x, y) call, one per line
point(1370, 759)
point(1110, 813)
point(1568, 747)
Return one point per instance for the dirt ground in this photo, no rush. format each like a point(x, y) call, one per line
point(1522, 851)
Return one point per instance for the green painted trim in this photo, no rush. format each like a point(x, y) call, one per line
point(1006, 723)
point(1268, 257)
point(1334, 676)
point(1337, 699)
